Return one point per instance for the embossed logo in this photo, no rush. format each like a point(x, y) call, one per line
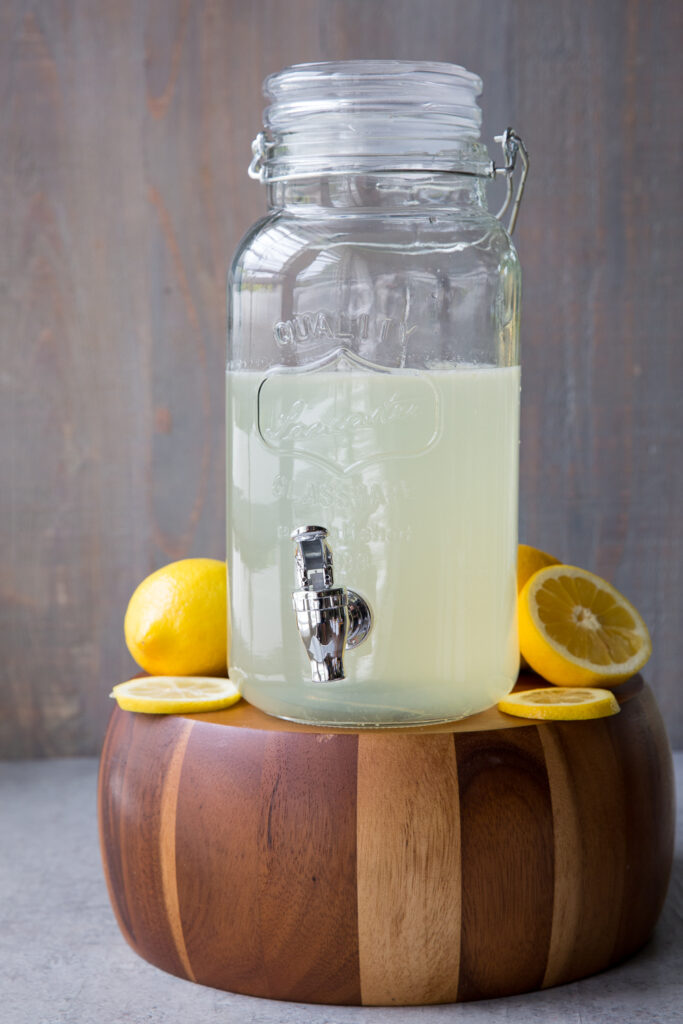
point(345, 413)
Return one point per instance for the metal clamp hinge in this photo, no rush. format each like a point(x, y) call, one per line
point(513, 146)
point(259, 149)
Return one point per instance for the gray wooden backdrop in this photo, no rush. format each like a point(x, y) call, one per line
point(125, 130)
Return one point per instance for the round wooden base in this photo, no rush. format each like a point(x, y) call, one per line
point(480, 858)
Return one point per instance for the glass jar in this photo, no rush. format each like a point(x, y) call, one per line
point(373, 404)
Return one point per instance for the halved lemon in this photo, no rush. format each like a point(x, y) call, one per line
point(175, 695)
point(529, 561)
point(575, 629)
point(560, 705)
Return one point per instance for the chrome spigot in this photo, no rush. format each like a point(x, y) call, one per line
point(330, 619)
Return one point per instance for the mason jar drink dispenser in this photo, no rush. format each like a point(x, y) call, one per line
point(373, 403)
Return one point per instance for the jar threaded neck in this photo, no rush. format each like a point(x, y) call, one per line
point(340, 116)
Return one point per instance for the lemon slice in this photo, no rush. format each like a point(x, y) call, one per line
point(175, 695)
point(561, 705)
point(575, 629)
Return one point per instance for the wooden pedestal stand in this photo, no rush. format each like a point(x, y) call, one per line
point(481, 858)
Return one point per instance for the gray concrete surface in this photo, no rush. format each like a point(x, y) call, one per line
point(63, 961)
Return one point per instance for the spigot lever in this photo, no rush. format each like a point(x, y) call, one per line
point(330, 619)
point(313, 558)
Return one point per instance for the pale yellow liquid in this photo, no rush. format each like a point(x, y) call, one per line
point(415, 477)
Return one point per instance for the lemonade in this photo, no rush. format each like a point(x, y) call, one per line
point(414, 475)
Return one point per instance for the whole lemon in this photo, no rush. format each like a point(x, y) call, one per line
point(177, 619)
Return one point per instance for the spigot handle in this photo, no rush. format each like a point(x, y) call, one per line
point(313, 558)
point(329, 619)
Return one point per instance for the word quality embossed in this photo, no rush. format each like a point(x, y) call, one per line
point(323, 325)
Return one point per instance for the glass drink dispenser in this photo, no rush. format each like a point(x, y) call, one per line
point(373, 390)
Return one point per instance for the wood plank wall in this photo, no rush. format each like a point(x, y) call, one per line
point(125, 130)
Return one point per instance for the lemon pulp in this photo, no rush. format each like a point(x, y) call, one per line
point(166, 695)
point(561, 704)
point(576, 629)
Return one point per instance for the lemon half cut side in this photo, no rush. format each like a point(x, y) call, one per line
point(175, 695)
point(575, 629)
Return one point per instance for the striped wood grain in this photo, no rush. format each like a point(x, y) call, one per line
point(385, 868)
point(507, 856)
point(409, 873)
point(589, 816)
point(140, 765)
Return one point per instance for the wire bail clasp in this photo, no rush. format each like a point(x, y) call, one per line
point(259, 149)
point(513, 146)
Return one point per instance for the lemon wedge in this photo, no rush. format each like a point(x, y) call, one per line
point(560, 705)
point(175, 695)
point(575, 629)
